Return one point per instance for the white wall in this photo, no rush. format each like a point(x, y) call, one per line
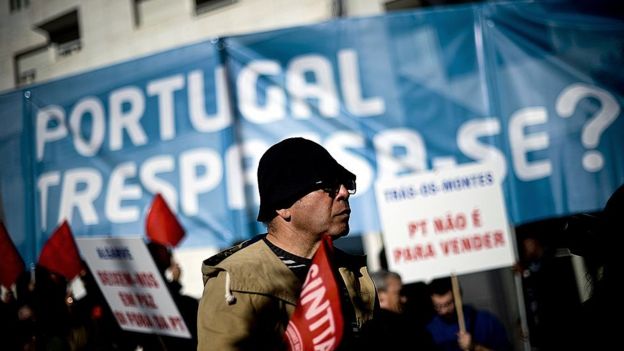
point(109, 35)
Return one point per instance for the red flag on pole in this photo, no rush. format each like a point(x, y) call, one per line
point(12, 264)
point(60, 253)
point(161, 225)
point(317, 322)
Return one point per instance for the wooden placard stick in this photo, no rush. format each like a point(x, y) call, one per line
point(458, 304)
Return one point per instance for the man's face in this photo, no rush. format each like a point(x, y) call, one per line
point(391, 299)
point(532, 249)
point(444, 305)
point(323, 212)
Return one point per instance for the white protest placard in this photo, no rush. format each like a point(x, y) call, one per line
point(132, 285)
point(445, 221)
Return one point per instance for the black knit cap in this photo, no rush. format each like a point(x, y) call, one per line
point(290, 169)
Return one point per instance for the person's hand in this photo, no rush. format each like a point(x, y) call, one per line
point(176, 271)
point(464, 340)
point(517, 268)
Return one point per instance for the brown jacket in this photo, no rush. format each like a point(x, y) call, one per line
point(250, 294)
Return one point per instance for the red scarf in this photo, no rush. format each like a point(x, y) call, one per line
point(317, 322)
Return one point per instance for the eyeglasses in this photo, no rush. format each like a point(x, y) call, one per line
point(333, 187)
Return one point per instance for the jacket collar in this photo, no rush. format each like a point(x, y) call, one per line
point(256, 270)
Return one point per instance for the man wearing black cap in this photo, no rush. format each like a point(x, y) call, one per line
point(251, 290)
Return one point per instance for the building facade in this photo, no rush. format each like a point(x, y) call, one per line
point(43, 40)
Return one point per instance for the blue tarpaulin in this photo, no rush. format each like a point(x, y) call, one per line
point(538, 92)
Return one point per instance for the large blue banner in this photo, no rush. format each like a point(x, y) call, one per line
point(538, 93)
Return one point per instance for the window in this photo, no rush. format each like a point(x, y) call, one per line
point(17, 5)
point(27, 77)
point(203, 6)
point(137, 8)
point(27, 62)
point(64, 32)
point(396, 5)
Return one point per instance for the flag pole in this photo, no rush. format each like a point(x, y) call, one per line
point(30, 176)
point(31, 285)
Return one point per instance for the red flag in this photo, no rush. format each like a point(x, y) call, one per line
point(60, 253)
point(161, 225)
point(12, 264)
point(317, 322)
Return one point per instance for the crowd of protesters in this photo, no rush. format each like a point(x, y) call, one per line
point(44, 313)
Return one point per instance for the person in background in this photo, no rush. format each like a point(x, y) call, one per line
point(417, 306)
point(550, 290)
point(304, 195)
point(187, 305)
point(51, 312)
point(599, 239)
point(9, 320)
point(25, 330)
point(389, 285)
point(392, 329)
point(483, 330)
point(94, 327)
